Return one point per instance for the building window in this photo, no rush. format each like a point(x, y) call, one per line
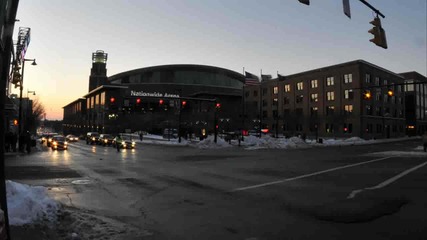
point(378, 111)
point(264, 103)
point(348, 109)
point(286, 100)
point(379, 128)
point(369, 128)
point(264, 114)
point(255, 93)
point(299, 98)
point(330, 110)
point(287, 88)
point(348, 78)
point(329, 128)
point(329, 81)
point(330, 96)
point(378, 95)
point(264, 91)
point(298, 111)
point(314, 97)
point(377, 81)
point(385, 82)
point(275, 90)
point(286, 112)
point(247, 94)
point(275, 101)
point(368, 78)
point(313, 83)
point(348, 128)
point(275, 113)
point(368, 110)
point(348, 94)
point(300, 86)
point(313, 111)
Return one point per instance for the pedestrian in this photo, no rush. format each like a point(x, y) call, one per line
point(28, 141)
point(140, 136)
point(118, 142)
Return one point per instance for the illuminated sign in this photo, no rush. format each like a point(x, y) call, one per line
point(153, 94)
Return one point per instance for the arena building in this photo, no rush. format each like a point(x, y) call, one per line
point(193, 98)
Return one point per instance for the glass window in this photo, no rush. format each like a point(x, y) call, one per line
point(313, 83)
point(330, 96)
point(329, 127)
point(275, 90)
point(368, 78)
point(330, 81)
point(299, 98)
point(286, 100)
point(275, 102)
point(368, 110)
point(385, 82)
point(314, 97)
point(300, 86)
point(313, 111)
point(255, 93)
point(348, 78)
point(348, 94)
point(330, 110)
point(348, 109)
point(287, 88)
point(264, 91)
point(377, 81)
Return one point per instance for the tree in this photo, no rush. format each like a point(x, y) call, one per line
point(34, 119)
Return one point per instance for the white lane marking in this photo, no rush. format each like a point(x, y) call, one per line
point(307, 175)
point(386, 182)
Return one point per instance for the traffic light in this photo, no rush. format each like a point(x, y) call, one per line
point(112, 100)
point(161, 102)
point(367, 95)
point(379, 33)
point(15, 122)
point(16, 79)
point(306, 2)
point(183, 104)
point(218, 105)
point(390, 93)
point(138, 101)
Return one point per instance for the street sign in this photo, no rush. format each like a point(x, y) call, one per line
point(346, 8)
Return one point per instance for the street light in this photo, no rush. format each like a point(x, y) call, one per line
point(33, 92)
point(21, 87)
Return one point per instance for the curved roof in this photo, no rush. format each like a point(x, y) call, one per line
point(176, 67)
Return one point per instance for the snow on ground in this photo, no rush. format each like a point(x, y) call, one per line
point(27, 204)
point(210, 143)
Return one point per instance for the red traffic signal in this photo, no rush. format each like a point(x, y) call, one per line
point(112, 100)
point(161, 101)
point(183, 103)
point(218, 105)
point(138, 100)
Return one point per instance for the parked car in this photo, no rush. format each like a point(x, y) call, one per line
point(123, 141)
point(71, 138)
point(106, 139)
point(92, 137)
point(59, 142)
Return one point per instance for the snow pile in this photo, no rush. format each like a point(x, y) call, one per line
point(27, 204)
point(210, 143)
point(252, 142)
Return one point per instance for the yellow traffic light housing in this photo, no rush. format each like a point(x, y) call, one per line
point(390, 93)
point(379, 33)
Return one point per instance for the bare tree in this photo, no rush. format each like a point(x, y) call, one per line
point(34, 119)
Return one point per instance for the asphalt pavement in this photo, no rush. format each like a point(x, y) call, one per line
point(174, 192)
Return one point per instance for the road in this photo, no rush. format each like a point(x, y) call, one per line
point(173, 192)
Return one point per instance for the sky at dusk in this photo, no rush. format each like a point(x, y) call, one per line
point(282, 36)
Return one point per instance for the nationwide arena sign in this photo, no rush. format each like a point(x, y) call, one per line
point(153, 94)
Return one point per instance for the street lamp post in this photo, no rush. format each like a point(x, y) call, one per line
point(21, 87)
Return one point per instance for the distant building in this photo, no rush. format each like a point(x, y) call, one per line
point(330, 102)
point(415, 103)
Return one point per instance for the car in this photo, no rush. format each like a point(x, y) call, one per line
point(106, 139)
point(59, 142)
point(123, 141)
point(92, 137)
point(71, 138)
point(47, 137)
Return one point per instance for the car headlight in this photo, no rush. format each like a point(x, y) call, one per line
point(54, 143)
point(93, 139)
point(50, 140)
point(123, 143)
point(105, 140)
point(133, 143)
point(65, 143)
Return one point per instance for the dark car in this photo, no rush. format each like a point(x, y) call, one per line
point(47, 137)
point(59, 142)
point(123, 142)
point(106, 139)
point(92, 138)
